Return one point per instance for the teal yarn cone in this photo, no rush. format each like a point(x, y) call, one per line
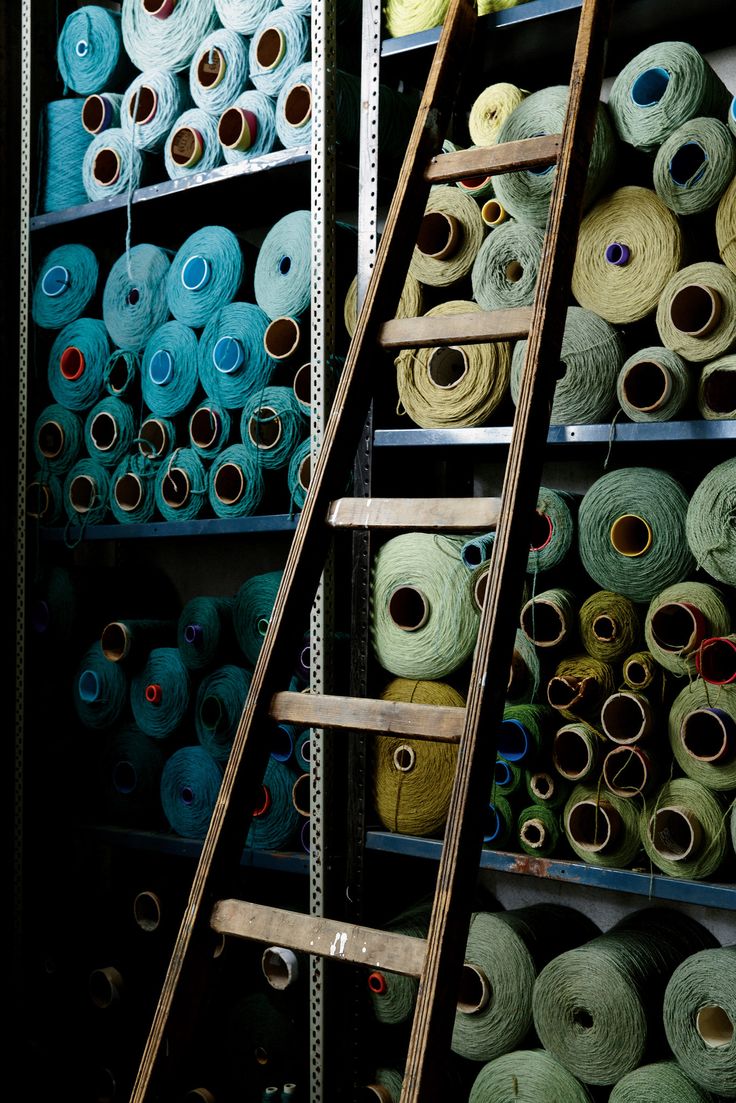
point(218, 71)
point(90, 52)
point(233, 362)
point(654, 384)
point(275, 820)
point(157, 437)
point(709, 523)
point(170, 369)
point(390, 1080)
point(109, 431)
point(683, 830)
point(591, 357)
point(45, 498)
point(679, 618)
point(662, 87)
point(271, 65)
point(168, 43)
point(99, 690)
point(601, 828)
point(192, 145)
point(258, 1046)
point(598, 1007)
point(181, 486)
point(121, 373)
point(252, 608)
point(205, 633)
point(112, 165)
point(66, 283)
point(86, 492)
point(190, 783)
point(702, 734)
point(526, 194)
point(243, 16)
point(631, 532)
point(477, 551)
point(272, 424)
point(150, 106)
point(699, 1012)
point(235, 485)
point(210, 429)
point(133, 490)
point(504, 953)
point(695, 165)
point(299, 473)
point(134, 301)
point(220, 700)
point(76, 363)
point(205, 275)
point(160, 693)
point(506, 267)
point(64, 143)
point(129, 772)
point(58, 438)
point(424, 621)
point(247, 128)
point(531, 1075)
point(282, 278)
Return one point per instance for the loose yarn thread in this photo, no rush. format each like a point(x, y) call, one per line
point(151, 105)
point(225, 52)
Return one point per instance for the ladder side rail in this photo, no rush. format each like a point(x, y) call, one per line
point(248, 758)
point(459, 862)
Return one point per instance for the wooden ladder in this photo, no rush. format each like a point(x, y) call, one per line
point(436, 961)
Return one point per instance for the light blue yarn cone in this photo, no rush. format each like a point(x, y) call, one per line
point(265, 139)
point(156, 99)
point(90, 52)
point(230, 51)
point(134, 300)
point(293, 30)
point(205, 126)
point(205, 274)
point(233, 362)
point(169, 375)
point(65, 286)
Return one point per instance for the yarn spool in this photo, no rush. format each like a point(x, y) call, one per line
point(287, 342)
point(696, 315)
point(452, 386)
point(86, 492)
point(64, 143)
point(282, 278)
point(553, 530)
point(89, 51)
point(507, 265)
point(627, 718)
point(539, 830)
point(130, 641)
point(654, 385)
point(150, 106)
point(247, 128)
point(275, 819)
point(129, 771)
point(679, 619)
point(134, 298)
point(294, 108)
point(641, 672)
point(403, 18)
point(694, 166)
point(660, 89)
point(392, 995)
point(590, 360)
point(410, 303)
point(577, 750)
point(165, 36)
point(602, 828)
point(243, 16)
point(101, 112)
point(716, 389)
point(260, 1046)
point(699, 1014)
point(76, 362)
point(205, 275)
point(160, 693)
point(272, 425)
point(44, 498)
point(450, 235)
point(280, 43)
point(490, 110)
point(504, 953)
point(234, 482)
point(58, 436)
point(579, 686)
point(412, 779)
point(109, 431)
point(252, 608)
point(218, 706)
point(192, 145)
point(210, 427)
point(629, 772)
point(715, 661)
point(629, 245)
point(121, 373)
point(233, 363)
point(112, 165)
point(170, 369)
point(709, 525)
point(526, 194)
point(726, 226)
point(205, 635)
point(299, 473)
point(523, 732)
point(99, 690)
point(597, 1007)
point(65, 285)
point(385, 1086)
point(181, 486)
point(609, 625)
point(424, 621)
point(683, 830)
point(303, 750)
point(702, 734)
point(156, 438)
point(529, 1074)
point(631, 532)
point(190, 783)
point(549, 619)
point(218, 71)
point(658, 1082)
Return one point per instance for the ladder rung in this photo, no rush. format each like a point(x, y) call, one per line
point(440, 514)
point(434, 723)
point(467, 164)
point(456, 329)
point(396, 953)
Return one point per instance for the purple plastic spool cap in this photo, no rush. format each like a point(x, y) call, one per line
point(228, 355)
point(196, 272)
point(650, 86)
point(89, 686)
point(193, 634)
point(55, 281)
point(513, 740)
point(161, 367)
point(618, 254)
point(40, 617)
point(495, 825)
point(82, 47)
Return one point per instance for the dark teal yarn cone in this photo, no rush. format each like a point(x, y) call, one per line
point(65, 285)
point(133, 490)
point(205, 275)
point(87, 493)
point(169, 369)
point(272, 424)
point(58, 439)
point(252, 608)
point(298, 473)
point(76, 363)
point(129, 772)
point(99, 689)
point(205, 632)
point(210, 429)
point(45, 498)
point(235, 486)
point(219, 704)
point(109, 431)
point(190, 783)
point(181, 486)
point(160, 693)
point(275, 821)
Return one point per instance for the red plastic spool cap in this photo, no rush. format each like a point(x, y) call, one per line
point(72, 363)
point(154, 694)
point(377, 984)
point(262, 808)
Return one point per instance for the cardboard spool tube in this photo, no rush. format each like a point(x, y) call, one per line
point(205, 427)
point(405, 758)
point(300, 794)
point(543, 786)
point(72, 363)
point(627, 771)
point(631, 535)
point(175, 488)
point(695, 310)
point(161, 9)
point(646, 386)
point(270, 49)
point(82, 493)
point(50, 439)
point(714, 1025)
point(306, 748)
point(280, 967)
point(265, 429)
point(115, 641)
point(283, 338)
point(104, 431)
point(572, 755)
point(626, 717)
point(147, 911)
point(474, 992)
point(593, 826)
point(534, 833)
point(440, 235)
point(569, 692)
point(708, 735)
point(199, 1095)
point(106, 167)
point(298, 105)
point(676, 833)
point(375, 1093)
point(143, 106)
point(716, 660)
point(237, 129)
point(719, 391)
point(229, 483)
point(186, 147)
point(637, 673)
point(302, 384)
point(480, 587)
point(604, 628)
point(514, 271)
point(124, 777)
point(679, 627)
point(543, 622)
point(105, 986)
point(96, 114)
point(117, 374)
point(153, 438)
point(38, 500)
point(211, 68)
point(305, 473)
point(447, 366)
point(408, 608)
point(687, 164)
point(492, 213)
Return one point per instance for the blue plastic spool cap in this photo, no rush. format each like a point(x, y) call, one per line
point(494, 825)
point(650, 86)
point(89, 686)
point(161, 367)
point(545, 169)
point(282, 743)
point(502, 773)
point(513, 740)
point(195, 273)
point(228, 355)
point(733, 109)
point(55, 281)
point(688, 165)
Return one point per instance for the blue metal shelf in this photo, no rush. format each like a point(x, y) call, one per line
point(654, 886)
point(211, 526)
point(631, 432)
